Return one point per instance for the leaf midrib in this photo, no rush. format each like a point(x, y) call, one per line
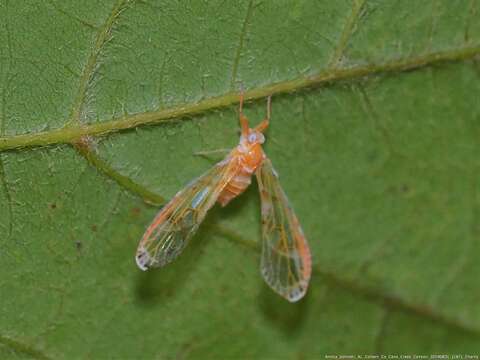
point(74, 132)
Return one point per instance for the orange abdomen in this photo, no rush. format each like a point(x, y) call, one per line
point(235, 187)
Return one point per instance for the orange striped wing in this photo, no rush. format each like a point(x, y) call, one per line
point(177, 222)
point(285, 259)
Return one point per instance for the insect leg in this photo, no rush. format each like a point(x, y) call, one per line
point(262, 126)
point(243, 119)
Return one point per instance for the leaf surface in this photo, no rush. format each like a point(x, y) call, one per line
point(374, 132)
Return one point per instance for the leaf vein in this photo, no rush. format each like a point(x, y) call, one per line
point(71, 16)
point(124, 181)
point(347, 32)
point(378, 126)
point(22, 348)
point(241, 40)
point(388, 301)
point(8, 197)
point(472, 15)
point(89, 70)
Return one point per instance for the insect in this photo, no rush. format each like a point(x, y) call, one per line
point(285, 258)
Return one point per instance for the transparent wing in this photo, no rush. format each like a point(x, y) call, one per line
point(178, 220)
point(285, 262)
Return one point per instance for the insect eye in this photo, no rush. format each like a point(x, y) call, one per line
point(252, 138)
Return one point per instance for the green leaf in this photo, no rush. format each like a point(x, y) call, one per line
point(375, 133)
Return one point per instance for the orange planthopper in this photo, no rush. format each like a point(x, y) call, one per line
point(285, 258)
